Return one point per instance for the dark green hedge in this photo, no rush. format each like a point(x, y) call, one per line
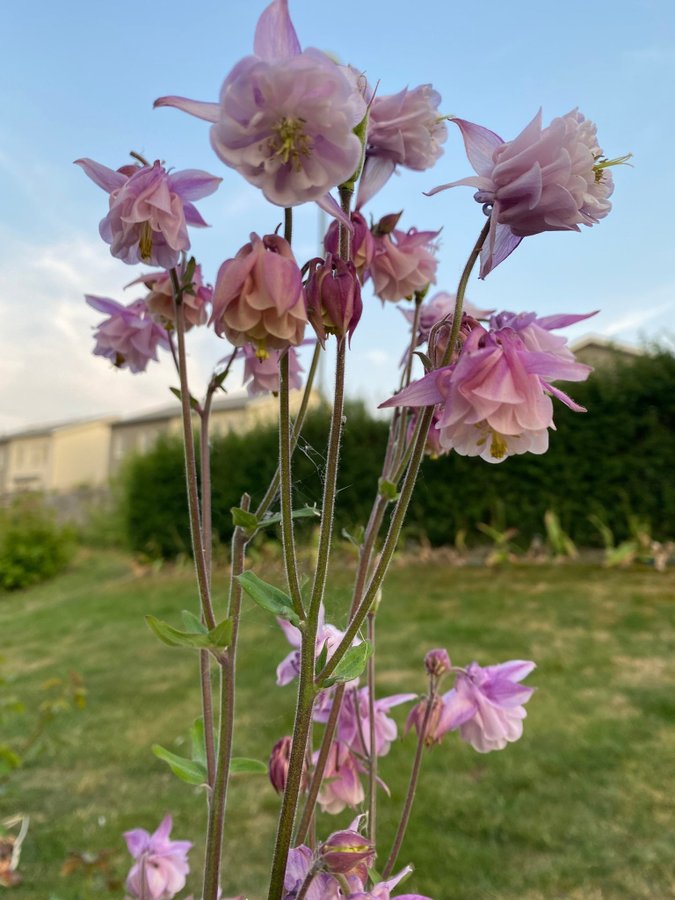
point(613, 461)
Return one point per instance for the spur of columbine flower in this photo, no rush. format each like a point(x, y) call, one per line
point(286, 117)
point(129, 337)
point(546, 179)
point(494, 401)
point(382, 890)
point(404, 129)
point(150, 209)
point(161, 865)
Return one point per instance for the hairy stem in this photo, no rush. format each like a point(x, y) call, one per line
point(286, 482)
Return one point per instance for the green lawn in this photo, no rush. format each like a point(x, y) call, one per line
point(582, 807)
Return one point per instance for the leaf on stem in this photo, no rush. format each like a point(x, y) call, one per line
point(189, 770)
point(350, 666)
point(194, 403)
point(388, 490)
point(198, 742)
point(199, 639)
point(306, 512)
point(239, 765)
point(269, 597)
point(242, 518)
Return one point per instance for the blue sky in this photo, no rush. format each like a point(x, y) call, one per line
point(80, 78)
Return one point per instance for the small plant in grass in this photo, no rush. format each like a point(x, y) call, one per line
point(297, 125)
point(33, 547)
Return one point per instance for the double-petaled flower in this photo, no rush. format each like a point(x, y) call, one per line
point(546, 179)
point(286, 116)
point(130, 336)
point(161, 865)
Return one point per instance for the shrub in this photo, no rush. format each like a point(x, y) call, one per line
point(32, 546)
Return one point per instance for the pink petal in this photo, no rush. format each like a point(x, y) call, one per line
point(104, 177)
point(503, 244)
point(563, 397)
point(458, 708)
point(193, 184)
point(207, 111)
point(377, 171)
point(328, 204)
point(480, 144)
point(137, 841)
point(425, 392)
point(275, 37)
point(562, 320)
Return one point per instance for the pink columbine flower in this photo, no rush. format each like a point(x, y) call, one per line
point(362, 244)
point(546, 179)
point(258, 296)
point(327, 636)
point(404, 129)
point(149, 210)
point(347, 852)
point(161, 866)
point(159, 299)
point(286, 117)
point(495, 400)
point(341, 785)
point(435, 728)
point(382, 890)
point(353, 727)
point(129, 337)
point(441, 306)
point(403, 262)
point(261, 376)
point(323, 886)
point(486, 704)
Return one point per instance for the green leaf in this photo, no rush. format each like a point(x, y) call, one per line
point(175, 638)
point(244, 519)
point(387, 489)
point(194, 403)
point(307, 512)
point(193, 622)
point(221, 634)
point(351, 665)
point(269, 597)
point(321, 659)
point(185, 769)
point(198, 742)
point(239, 765)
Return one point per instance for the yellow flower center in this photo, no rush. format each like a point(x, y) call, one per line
point(261, 352)
point(601, 164)
point(290, 142)
point(145, 241)
point(498, 446)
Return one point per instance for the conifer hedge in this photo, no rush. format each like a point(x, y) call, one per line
point(614, 461)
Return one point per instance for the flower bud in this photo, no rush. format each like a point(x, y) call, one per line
point(277, 767)
point(333, 297)
point(345, 852)
point(362, 244)
point(417, 715)
point(437, 662)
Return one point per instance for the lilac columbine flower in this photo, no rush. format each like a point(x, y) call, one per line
point(129, 337)
point(495, 400)
point(487, 704)
point(258, 296)
point(149, 210)
point(382, 890)
point(161, 866)
point(353, 727)
point(403, 262)
point(323, 886)
point(546, 179)
point(341, 785)
point(404, 129)
point(286, 117)
point(327, 636)
point(261, 376)
point(159, 299)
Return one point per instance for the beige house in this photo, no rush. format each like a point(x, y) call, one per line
point(595, 350)
point(62, 458)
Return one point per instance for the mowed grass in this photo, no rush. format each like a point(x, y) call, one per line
point(582, 807)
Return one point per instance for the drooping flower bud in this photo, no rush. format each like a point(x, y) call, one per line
point(277, 767)
point(258, 296)
point(333, 297)
point(437, 662)
point(346, 852)
point(362, 244)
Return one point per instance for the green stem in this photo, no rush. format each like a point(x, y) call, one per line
point(216, 822)
point(412, 787)
point(286, 481)
point(196, 535)
point(372, 754)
